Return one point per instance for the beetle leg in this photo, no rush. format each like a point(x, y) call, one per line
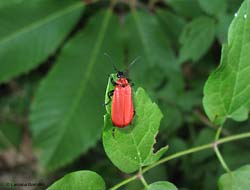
point(113, 132)
point(113, 82)
point(133, 121)
point(130, 82)
point(110, 94)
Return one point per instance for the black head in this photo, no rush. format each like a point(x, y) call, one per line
point(120, 74)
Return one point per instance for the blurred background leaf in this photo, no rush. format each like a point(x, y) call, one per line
point(186, 8)
point(213, 7)
point(196, 38)
point(63, 110)
point(155, 52)
point(10, 135)
point(172, 24)
point(33, 30)
point(10, 2)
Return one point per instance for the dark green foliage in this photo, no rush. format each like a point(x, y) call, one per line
point(40, 28)
point(71, 94)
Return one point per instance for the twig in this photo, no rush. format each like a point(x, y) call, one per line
point(183, 153)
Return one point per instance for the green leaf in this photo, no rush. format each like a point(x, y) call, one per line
point(10, 2)
point(131, 147)
point(40, 28)
point(145, 38)
point(10, 135)
point(187, 8)
point(144, 27)
point(162, 185)
point(68, 107)
point(171, 23)
point(226, 93)
point(196, 38)
point(236, 180)
point(213, 7)
point(86, 180)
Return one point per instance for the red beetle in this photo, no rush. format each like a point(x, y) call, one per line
point(122, 110)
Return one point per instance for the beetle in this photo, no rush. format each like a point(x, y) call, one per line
point(122, 109)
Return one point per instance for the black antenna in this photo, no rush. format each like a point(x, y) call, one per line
point(111, 61)
point(132, 63)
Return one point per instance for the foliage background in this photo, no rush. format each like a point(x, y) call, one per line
point(53, 76)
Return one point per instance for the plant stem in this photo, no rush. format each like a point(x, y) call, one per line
point(218, 132)
point(206, 122)
point(126, 181)
point(178, 154)
point(143, 181)
point(203, 119)
point(185, 152)
point(141, 177)
point(221, 159)
point(217, 151)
